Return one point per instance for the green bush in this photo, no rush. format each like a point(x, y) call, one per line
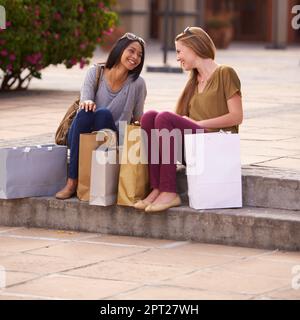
point(41, 33)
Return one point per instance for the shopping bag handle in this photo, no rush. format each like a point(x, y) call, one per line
point(28, 149)
point(136, 123)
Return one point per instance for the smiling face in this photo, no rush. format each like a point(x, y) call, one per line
point(186, 56)
point(132, 55)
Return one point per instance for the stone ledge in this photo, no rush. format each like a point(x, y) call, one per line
point(246, 227)
point(262, 187)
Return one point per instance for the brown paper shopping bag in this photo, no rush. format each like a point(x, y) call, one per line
point(88, 143)
point(133, 178)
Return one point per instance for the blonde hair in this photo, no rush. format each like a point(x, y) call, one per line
point(201, 43)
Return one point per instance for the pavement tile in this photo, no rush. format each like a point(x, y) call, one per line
point(9, 296)
point(12, 134)
point(283, 163)
point(132, 241)
point(133, 272)
point(218, 279)
point(283, 256)
point(247, 159)
point(47, 233)
point(220, 250)
point(41, 264)
point(67, 287)
point(178, 257)
point(262, 267)
point(13, 277)
point(248, 150)
point(90, 251)
point(175, 293)
point(10, 244)
point(265, 136)
point(287, 293)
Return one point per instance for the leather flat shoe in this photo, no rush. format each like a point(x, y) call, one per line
point(141, 204)
point(164, 206)
point(65, 194)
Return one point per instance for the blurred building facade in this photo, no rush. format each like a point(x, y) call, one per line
point(267, 21)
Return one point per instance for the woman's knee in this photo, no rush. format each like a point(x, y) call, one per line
point(83, 115)
point(104, 119)
point(148, 118)
point(162, 118)
point(84, 118)
point(103, 113)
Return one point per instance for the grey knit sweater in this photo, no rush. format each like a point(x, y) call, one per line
point(124, 105)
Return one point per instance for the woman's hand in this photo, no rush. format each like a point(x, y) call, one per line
point(88, 105)
point(190, 119)
point(199, 123)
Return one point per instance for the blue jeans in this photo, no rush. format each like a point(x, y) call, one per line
point(86, 122)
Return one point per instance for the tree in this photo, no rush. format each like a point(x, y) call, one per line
point(49, 32)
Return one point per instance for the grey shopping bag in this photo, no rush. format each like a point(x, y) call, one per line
point(32, 171)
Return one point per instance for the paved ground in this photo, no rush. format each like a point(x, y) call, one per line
point(42, 264)
point(46, 264)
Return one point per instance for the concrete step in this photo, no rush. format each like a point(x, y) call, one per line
point(262, 187)
point(248, 227)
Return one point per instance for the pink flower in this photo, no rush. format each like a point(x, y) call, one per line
point(37, 23)
point(80, 9)
point(34, 58)
point(37, 12)
point(56, 36)
point(101, 5)
point(73, 61)
point(57, 16)
point(9, 67)
point(76, 33)
point(82, 46)
point(3, 53)
point(108, 32)
point(12, 57)
point(82, 63)
point(8, 24)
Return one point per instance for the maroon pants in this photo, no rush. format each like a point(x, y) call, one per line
point(162, 154)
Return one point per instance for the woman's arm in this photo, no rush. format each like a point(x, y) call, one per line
point(87, 94)
point(233, 118)
point(140, 99)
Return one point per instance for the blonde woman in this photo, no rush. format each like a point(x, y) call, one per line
point(211, 100)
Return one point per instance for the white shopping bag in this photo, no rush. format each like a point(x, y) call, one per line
point(213, 168)
point(105, 172)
